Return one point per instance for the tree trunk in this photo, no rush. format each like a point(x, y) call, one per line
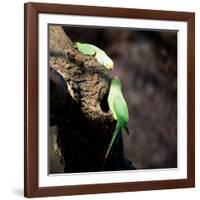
point(79, 88)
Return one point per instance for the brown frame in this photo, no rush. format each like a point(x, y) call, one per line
point(31, 188)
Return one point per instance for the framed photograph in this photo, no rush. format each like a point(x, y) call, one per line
point(109, 99)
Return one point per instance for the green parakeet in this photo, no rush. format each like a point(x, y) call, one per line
point(119, 109)
point(99, 54)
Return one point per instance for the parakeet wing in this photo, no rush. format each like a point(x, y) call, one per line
point(86, 49)
point(121, 109)
point(126, 129)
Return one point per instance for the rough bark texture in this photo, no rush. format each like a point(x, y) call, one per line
point(79, 87)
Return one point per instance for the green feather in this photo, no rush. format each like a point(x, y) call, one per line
point(100, 55)
point(119, 109)
point(117, 130)
point(86, 49)
point(126, 129)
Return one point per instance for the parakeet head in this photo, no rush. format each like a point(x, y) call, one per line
point(116, 82)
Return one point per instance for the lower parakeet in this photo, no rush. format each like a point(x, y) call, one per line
point(119, 109)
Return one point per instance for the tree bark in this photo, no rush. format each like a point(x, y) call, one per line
point(79, 88)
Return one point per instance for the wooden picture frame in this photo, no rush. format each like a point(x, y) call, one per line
point(31, 102)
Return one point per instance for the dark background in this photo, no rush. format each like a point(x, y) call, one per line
point(146, 63)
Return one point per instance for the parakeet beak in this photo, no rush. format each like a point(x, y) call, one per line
point(110, 66)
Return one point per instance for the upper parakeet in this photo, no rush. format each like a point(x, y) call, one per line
point(99, 54)
point(119, 109)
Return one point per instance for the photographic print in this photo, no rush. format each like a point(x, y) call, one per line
point(108, 100)
point(113, 99)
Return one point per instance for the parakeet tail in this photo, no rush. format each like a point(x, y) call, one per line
point(117, 129)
